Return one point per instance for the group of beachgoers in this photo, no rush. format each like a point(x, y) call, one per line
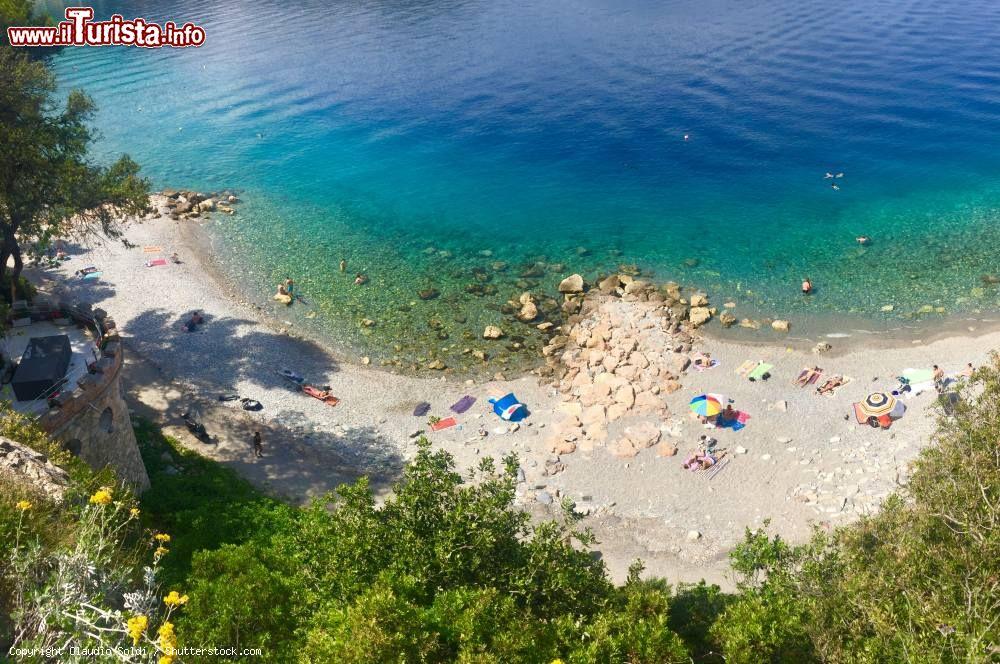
point(286, 289)
point(807, 285)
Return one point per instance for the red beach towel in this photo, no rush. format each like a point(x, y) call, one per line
point(444, 424)
point(156, 262)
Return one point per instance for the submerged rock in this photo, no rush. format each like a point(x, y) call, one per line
point(492, 332)
point(428, 294)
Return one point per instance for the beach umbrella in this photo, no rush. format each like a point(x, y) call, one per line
point(706, 405)
point(877, 404)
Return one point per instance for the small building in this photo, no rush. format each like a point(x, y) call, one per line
point(62, 365)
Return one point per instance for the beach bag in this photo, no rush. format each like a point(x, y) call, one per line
point(509, 408)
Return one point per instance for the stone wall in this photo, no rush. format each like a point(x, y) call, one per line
point(92, 421)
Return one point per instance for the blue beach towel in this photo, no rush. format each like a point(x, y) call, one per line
point(509, 408)
point(422, 409)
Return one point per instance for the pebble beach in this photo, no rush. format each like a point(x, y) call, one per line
point(609, 425)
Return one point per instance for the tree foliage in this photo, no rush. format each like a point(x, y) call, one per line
point(48, 186)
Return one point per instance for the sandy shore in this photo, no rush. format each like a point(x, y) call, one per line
point(799, 462)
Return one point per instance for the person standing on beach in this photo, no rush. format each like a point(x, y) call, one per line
point(258, 448)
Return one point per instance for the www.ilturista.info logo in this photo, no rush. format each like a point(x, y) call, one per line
point(80, 30)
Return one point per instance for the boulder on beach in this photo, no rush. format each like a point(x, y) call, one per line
point(699, 300)
point(610, 284)
point(698, 316)
point(780, 325)
point(571, 284)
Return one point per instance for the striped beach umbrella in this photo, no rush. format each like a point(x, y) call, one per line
point(877, 404)
point(706, 405)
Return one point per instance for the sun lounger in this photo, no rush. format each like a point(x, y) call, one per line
point(761, 372)
point(716, 469)
point(152, 250)
point(747, 367)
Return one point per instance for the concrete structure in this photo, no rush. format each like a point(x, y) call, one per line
point(88, 415)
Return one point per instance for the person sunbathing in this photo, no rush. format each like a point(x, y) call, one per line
point(701, 460)
point(807, 376)
point(829, 386)
point(703, 360)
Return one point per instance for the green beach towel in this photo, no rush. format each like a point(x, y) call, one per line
point(917, 375)
point(761, 371)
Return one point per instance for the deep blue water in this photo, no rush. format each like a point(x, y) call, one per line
point(375, 130)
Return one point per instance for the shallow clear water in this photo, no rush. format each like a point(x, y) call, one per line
point(374, 131)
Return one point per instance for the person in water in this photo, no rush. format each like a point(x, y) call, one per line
point(360, 279)
point(807, 286)
point(343, 265)
point(289, 286)
point(863, 239)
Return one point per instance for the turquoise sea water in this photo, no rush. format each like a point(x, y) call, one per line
point(410, 136)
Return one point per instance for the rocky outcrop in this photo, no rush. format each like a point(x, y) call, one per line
point(192, 204)
point(26, 466)
point(614, 361)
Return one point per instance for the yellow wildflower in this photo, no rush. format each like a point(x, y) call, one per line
point(168, 640)
point(134, 512)
point(557, 661)
point(166, 659)
point(102, 496)
point(23, 505)
point(136, 626)
point(162, 537)
point(175, 599)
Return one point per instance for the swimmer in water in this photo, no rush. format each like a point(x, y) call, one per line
point(807, 287)
point(862, 239)
point(835, 187)
point(343, 265)
point(828, 176)
point(360, 279)
point(687, 137)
